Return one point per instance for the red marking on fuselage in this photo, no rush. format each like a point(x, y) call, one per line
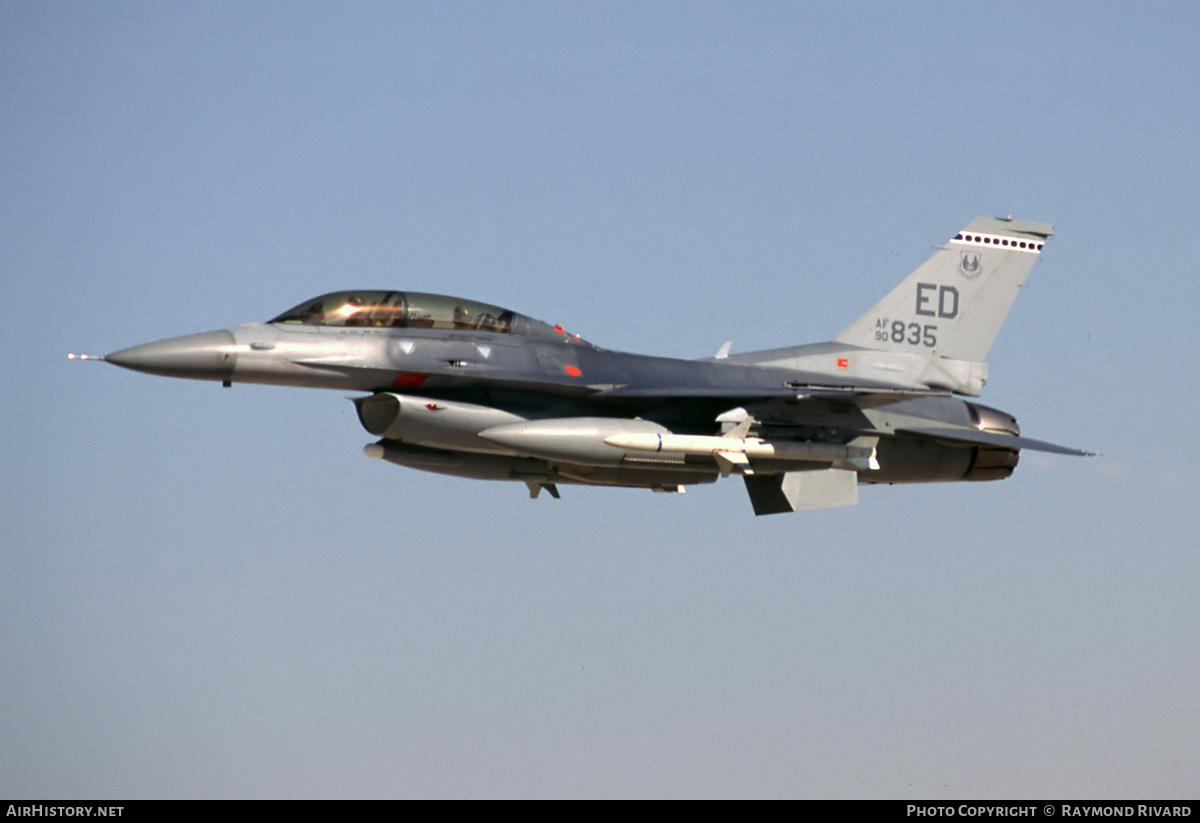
point(843, 363)
point(572, 370)
point(409, 380)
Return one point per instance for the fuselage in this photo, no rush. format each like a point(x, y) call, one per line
point(472, 389)
point(468, 388)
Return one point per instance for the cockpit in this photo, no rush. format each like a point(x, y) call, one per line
point(413, 310)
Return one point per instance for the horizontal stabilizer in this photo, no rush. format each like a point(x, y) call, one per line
point(982, 438)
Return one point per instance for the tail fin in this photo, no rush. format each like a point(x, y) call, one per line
point(953, 305)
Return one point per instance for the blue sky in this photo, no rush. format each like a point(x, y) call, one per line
point(211, 593)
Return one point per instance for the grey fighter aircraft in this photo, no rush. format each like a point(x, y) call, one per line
point(474, 390)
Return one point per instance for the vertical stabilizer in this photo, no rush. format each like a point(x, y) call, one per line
point(953, 305)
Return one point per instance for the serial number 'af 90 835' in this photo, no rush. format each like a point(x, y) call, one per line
point(914, 334)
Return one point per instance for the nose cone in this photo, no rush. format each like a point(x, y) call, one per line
point(206, 356)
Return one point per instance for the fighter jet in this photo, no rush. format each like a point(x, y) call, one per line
point(474, 390)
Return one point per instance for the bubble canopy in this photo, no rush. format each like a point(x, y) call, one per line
point(415, 310)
